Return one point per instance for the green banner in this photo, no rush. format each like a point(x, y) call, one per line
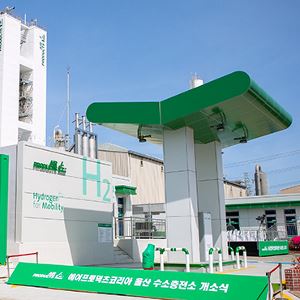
point(153, 284)
point(4, 161)
point(267, 248)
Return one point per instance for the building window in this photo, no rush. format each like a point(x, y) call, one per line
point(290, 222)
point(233, 220)
point(142, 163)
point(270, 217)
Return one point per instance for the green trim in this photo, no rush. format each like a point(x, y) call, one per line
point(211, 250)
point(186, 251)
point(230, 250)
point(240, 248)
point(125, 190)
point(262, 205)
point(105, 225)
point(4, 173)
point(270, 104)
point(177, 108)
point(124, 112)
point(161, 250)
point(234, 101)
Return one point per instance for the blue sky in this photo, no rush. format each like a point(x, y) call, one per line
point(147, 50)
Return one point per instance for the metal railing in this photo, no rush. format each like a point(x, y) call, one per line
point(275, 232)
point(139, 228)
point(8, 257)
point(271, 292)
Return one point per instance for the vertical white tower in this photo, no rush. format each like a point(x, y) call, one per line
point(23, 68)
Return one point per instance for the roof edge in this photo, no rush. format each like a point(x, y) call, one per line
point(270, 104)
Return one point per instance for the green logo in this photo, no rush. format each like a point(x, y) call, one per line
point(1, 34)
point(43, 48)
point(52, 167)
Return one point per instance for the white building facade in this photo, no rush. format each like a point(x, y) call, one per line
point(60, 204)
point(282, 213)
point(23, 68)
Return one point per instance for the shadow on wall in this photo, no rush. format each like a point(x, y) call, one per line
point(82, 233)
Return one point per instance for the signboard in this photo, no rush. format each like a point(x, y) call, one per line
point(267, 248)
point(155, 284)
point(105, 233)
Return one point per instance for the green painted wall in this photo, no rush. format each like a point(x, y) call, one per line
point(4, 161)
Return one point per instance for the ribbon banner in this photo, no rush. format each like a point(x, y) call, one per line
point(152, 284)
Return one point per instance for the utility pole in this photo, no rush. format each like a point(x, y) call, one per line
point(68, 110)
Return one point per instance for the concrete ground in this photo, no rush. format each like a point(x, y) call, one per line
point(257, 266)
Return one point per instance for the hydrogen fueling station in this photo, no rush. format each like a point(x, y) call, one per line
point(194, 127)
point(58, 204)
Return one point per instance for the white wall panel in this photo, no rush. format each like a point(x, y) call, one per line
point(74, 226)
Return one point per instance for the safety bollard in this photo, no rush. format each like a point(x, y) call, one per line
point(231, 252)
point(245, 259)
point(187, 259)
point(161, 258)
point(186, 252)
point(220, 260)
point(237, 253)
point(211, 259)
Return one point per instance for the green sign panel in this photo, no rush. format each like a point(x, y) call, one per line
point(4, 160)
point(267, 248)
point(154, 284)
point(52, 167)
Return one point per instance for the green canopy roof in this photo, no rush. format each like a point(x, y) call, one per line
point(125, 190)
point(231, 109)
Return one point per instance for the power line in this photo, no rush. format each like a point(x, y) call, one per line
point(290, 183)
point(262, 159)
point(274, 171)
point(281, 170)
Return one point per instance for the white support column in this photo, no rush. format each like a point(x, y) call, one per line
point(209, 170)
point(181, 193)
